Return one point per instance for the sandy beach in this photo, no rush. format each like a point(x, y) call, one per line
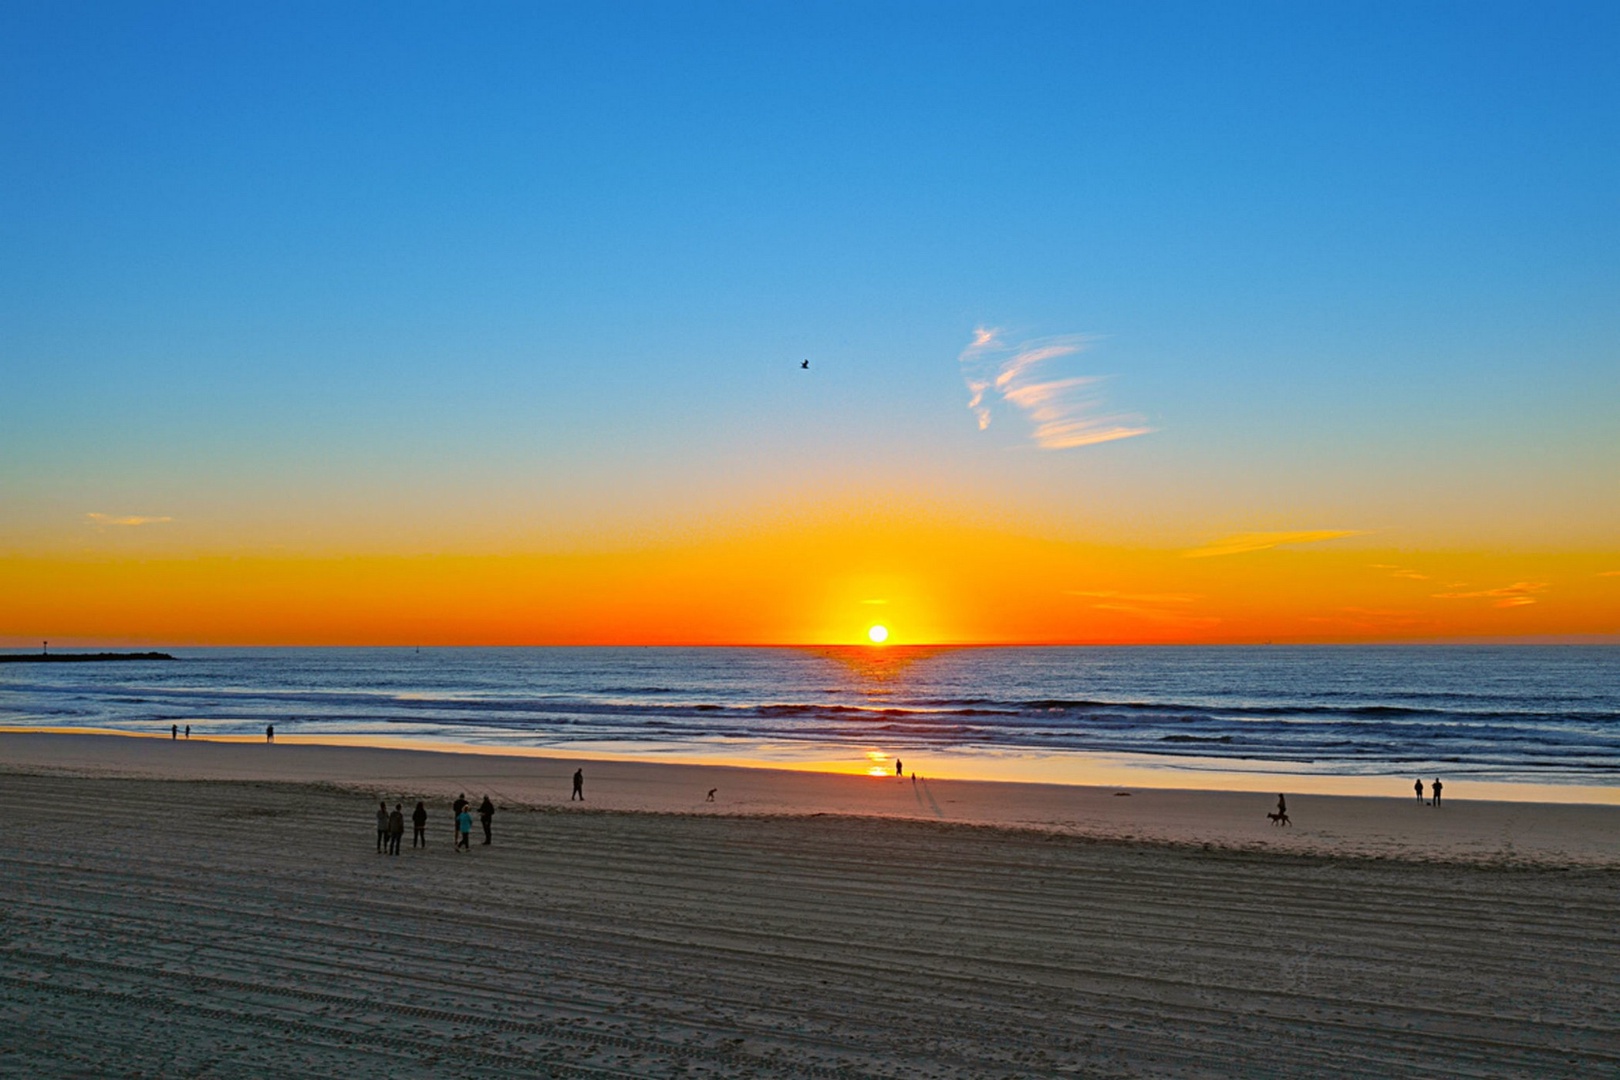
point(218, 909)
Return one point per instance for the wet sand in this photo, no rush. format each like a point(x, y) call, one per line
point(219, 910)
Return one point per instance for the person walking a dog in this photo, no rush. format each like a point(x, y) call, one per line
point(1280, 815)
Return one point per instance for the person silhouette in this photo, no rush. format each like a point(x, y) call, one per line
point(396, 829)
point(188, 731)
point(1435, 787)
point(710, 797)
point(486, 814)
point(464, 828)
point(579, 786)
point(1282, 806)
point(419, 826)
point(174, 731)
point(382, 827)
point(1417, 786)
point(455, 810)
point(899, 769)
point(270, 733)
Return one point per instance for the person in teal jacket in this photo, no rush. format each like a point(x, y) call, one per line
point(464, 829)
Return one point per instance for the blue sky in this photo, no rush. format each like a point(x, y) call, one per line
point(497, 277)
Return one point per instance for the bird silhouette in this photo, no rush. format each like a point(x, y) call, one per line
point(804, 365)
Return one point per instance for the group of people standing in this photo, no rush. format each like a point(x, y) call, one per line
point(1435, 787)
point(391, 824)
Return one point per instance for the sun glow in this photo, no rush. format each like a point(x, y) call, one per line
point(879, 634)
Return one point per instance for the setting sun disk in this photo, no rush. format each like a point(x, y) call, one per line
point(879, 634)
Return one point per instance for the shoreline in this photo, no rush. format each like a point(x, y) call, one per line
point(1075, 769)
point(1466, 830)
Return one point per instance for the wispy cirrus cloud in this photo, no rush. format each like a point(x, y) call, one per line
point(1066, 412)
point(1239, 543)
point(1399, 571)
point(128, 520)
point(1518, 594)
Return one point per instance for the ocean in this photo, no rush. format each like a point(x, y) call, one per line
point(1187, 716)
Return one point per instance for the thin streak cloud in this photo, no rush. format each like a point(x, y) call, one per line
point(129, 520)
point(1399, 571)
point(1240, 543)
point(1159, 608)
point(1065, 412)
point(1518, 594)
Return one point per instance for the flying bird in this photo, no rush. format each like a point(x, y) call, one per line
point(804, 365)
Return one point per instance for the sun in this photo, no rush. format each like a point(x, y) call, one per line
point(879, 634)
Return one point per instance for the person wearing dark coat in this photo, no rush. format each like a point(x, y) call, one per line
point(382, 827)
point(486, 814)
point(419, 826)
point(396, 829)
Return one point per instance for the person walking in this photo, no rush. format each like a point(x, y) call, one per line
point(419, 826)
point(486, 814)
point(269, 733)
point(174, 732)
point(1417, 786)
point(579, 786)
point(396, 829)
point(899, 770)
point(1435, 787)
point(188, 732)
point(382, 827)
point(455, 812)
point(464, 828)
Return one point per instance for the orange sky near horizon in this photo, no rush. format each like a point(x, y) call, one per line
point(927, 584)
point(458, 346)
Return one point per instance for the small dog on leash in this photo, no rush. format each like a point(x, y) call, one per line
point(1279, 819)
